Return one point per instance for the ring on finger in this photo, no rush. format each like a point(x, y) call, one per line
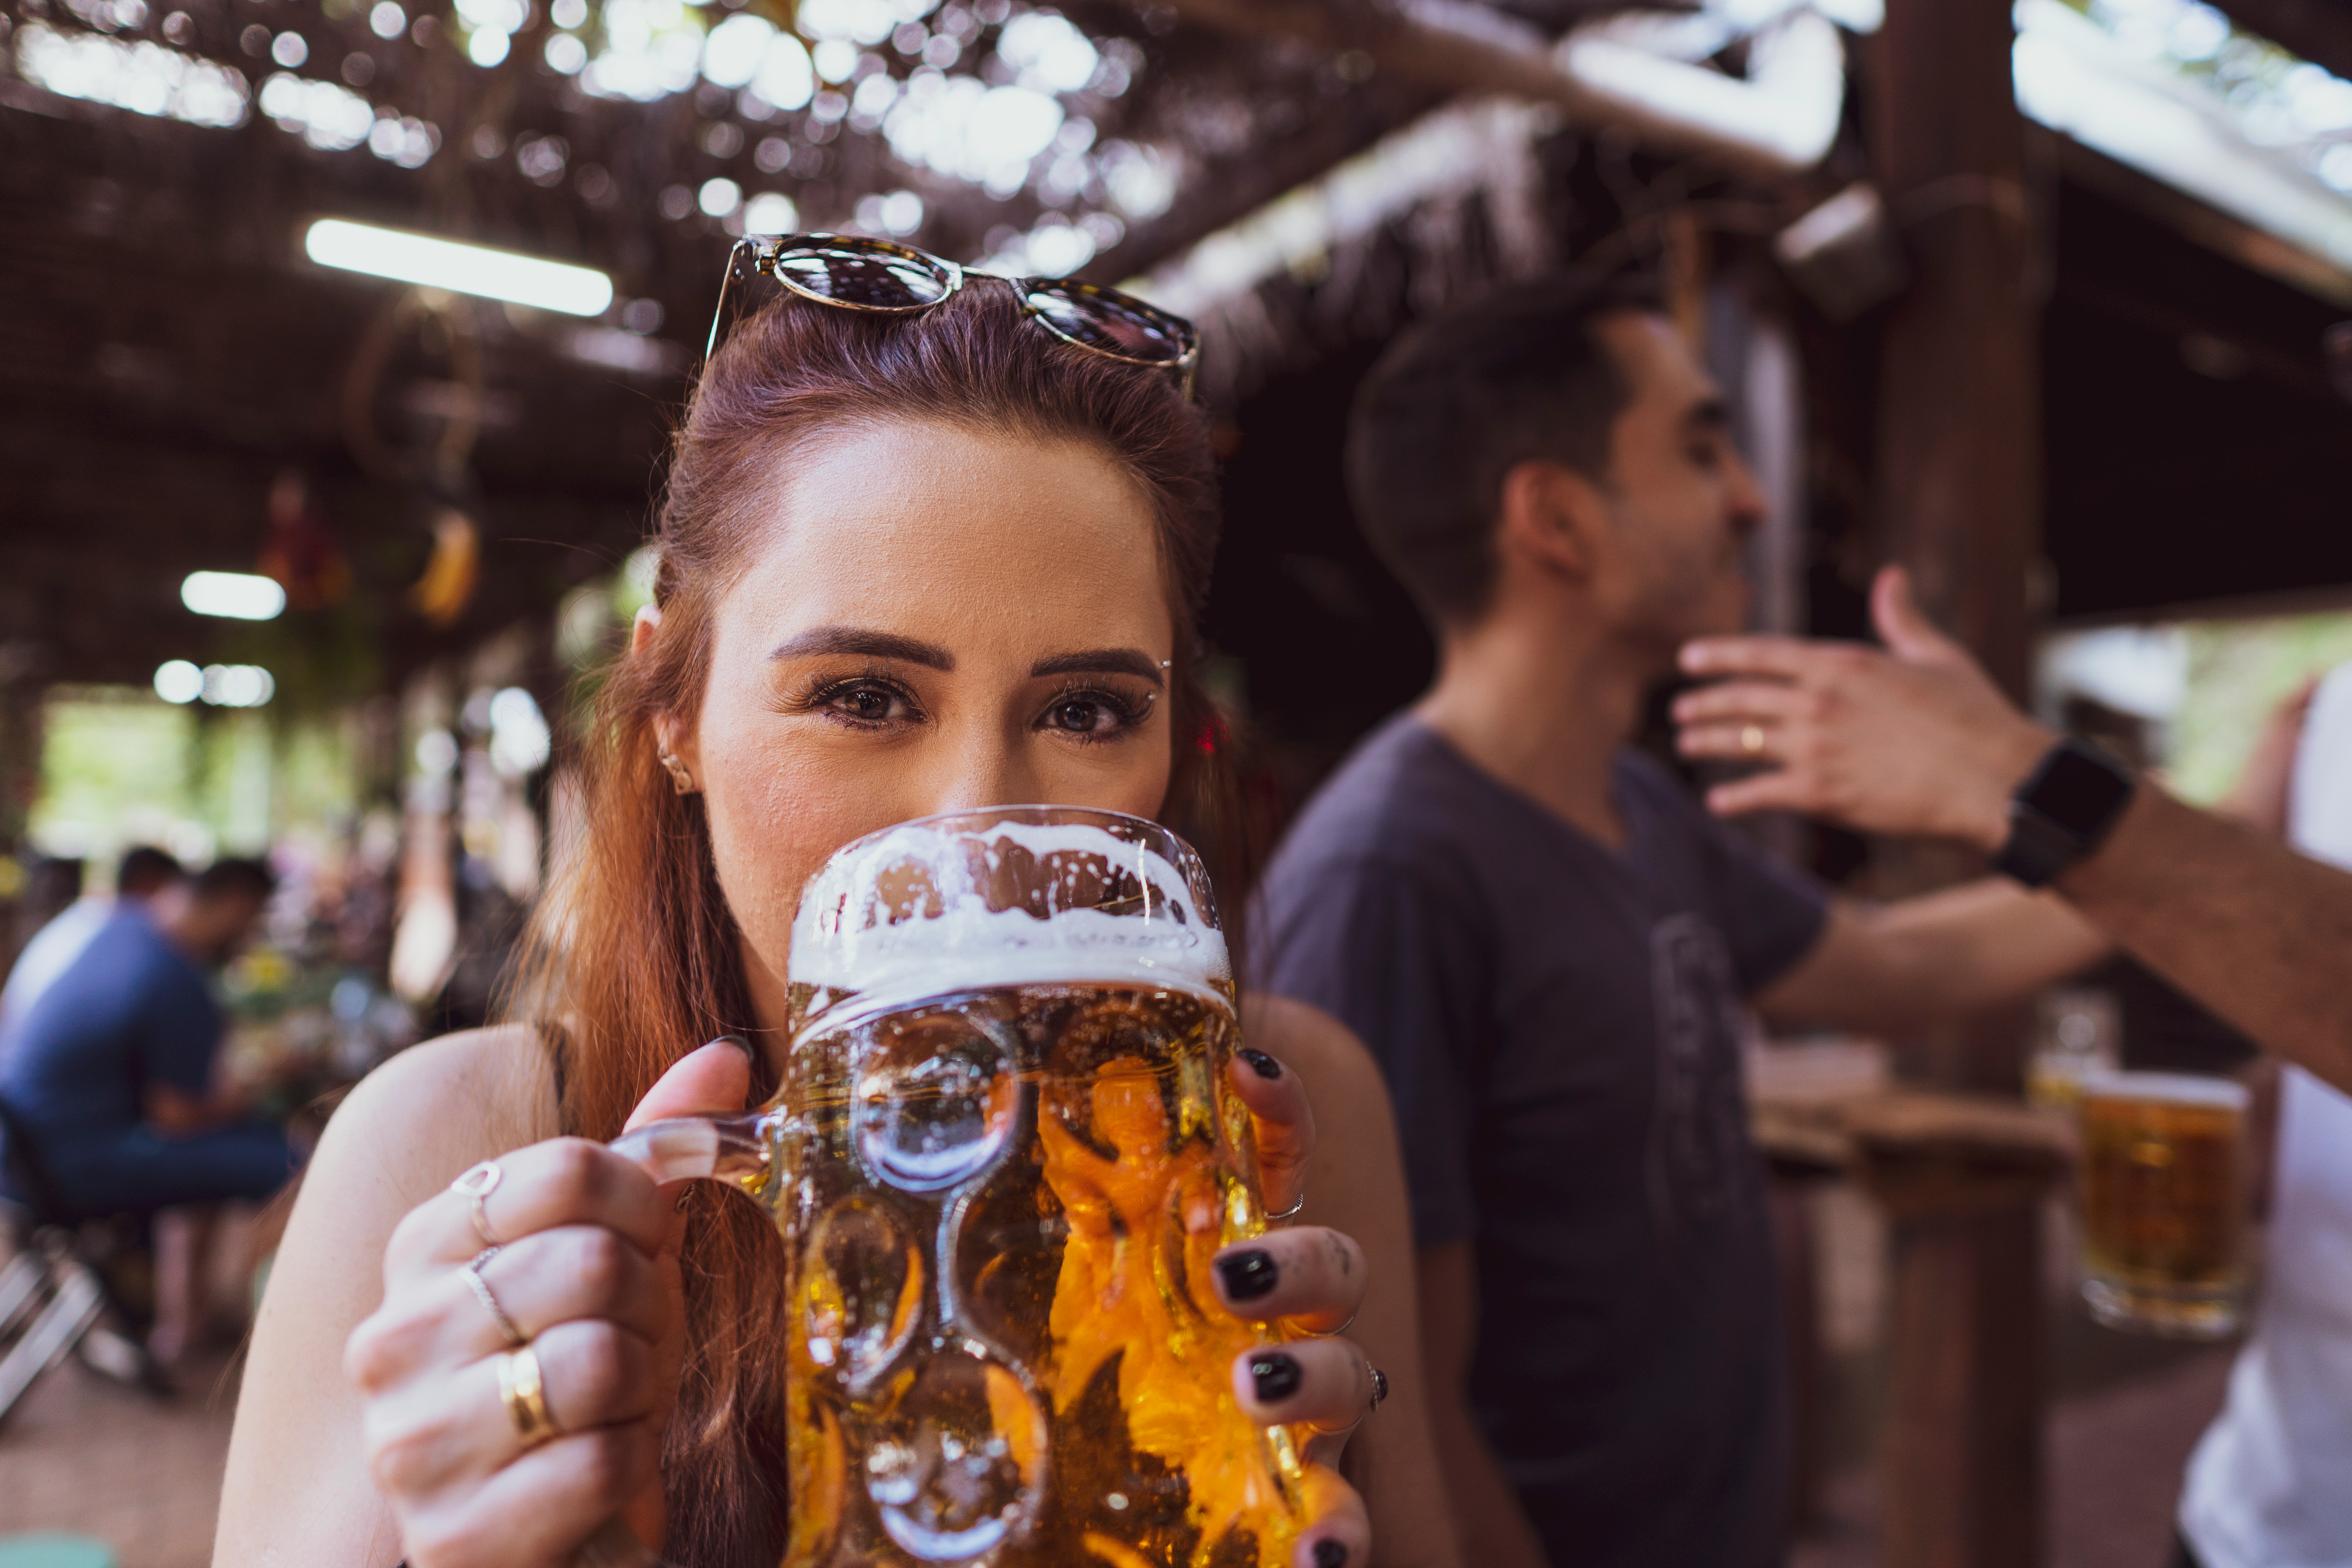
point(1380, 1387)
point(475, 1185)
point(523, 1391)
point(472, 1273)
point(1290, 1213)
point(1751, 740)
point(1343, 1327)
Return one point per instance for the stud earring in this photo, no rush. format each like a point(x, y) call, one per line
point(681, 781)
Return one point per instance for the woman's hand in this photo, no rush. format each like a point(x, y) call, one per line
point(586, 1272)
point(1311, 1279)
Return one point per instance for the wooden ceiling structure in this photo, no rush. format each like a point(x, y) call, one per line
point(167, 354)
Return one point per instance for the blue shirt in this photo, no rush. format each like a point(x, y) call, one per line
point(132, 1010)
point(1559, 1022)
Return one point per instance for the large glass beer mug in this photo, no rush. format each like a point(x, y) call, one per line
point(2164, 1202)
point(1003, 1156)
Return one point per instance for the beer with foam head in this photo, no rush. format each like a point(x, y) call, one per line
point(1006, 1153)
point(2164, 1202)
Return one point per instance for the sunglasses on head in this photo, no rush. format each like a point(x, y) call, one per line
point(853, 273)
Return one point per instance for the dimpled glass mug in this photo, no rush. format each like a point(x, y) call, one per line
point(1003, 1156)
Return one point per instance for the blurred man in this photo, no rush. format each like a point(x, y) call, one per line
point(143, 873)
point(111, 1070)
point(1549, 946)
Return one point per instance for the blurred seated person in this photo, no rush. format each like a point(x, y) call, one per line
point(111, 1068)
point(145, 871)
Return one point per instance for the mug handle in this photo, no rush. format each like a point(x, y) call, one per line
point(688, 1148)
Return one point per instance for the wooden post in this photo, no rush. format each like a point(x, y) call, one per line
point(1962, 1183)
point(1959, 456)
point(1959, 498)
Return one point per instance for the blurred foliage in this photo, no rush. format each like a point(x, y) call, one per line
point(2239, 671)
point(120, 767)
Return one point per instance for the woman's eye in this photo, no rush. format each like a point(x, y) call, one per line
point(868, 704)
point(1086, 716)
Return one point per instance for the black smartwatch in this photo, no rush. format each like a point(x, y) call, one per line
point(2062, 811)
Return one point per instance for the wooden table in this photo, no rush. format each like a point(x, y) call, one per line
point(1962, 1180)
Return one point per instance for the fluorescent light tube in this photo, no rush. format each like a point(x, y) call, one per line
point(239, 596)
point(435, 263)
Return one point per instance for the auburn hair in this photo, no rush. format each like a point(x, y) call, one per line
point(634, 959)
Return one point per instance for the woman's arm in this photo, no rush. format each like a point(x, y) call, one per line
point(297, 1490)
point(1356, 1186)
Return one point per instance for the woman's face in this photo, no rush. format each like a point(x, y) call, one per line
point(937, 620)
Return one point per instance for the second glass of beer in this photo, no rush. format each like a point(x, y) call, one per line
point(2164, 1202)
point(1003, 1155)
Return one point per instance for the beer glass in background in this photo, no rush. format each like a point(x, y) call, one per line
point(1003, 1154)
point(2164, 1202)
point(2078, 1027)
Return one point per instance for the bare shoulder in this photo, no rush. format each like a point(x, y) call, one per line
point(414, 1124)
point(297, 1487)
point(1332, 1061)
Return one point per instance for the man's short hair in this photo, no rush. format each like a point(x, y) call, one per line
point(1461, 399)
point(146, 870)
point(233, 879)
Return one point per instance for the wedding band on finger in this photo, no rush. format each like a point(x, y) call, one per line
point(1343, 1327)
point(1290, 1213)
point(524, 1393)
point(472, 1273)
point(475, 1185)
point(1751, 740)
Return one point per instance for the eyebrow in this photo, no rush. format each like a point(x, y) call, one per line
point(1709, 413)
point(872, 643)
point(1101, 661)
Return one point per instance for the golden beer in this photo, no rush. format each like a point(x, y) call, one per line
point(2164, 1202)
point(1003, 1155)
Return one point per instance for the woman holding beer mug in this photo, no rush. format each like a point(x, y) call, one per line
point(932, 542)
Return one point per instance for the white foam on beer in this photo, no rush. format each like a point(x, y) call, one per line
point(2166, 1089)
point(968, 945)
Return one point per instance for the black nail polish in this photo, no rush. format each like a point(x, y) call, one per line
point(1248, 1275)
point(1331, 1554)
point(1261, 1064)
point(741, 1044)
point(1276, 1376)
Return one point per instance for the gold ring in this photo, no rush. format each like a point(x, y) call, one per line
point(472, 1273)
point(524, 1393)
point(475, 1185)
point(1751, 740)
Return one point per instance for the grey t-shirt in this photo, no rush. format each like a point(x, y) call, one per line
point(1559, 1023)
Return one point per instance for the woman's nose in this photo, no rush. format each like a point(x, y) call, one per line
point(981, 769)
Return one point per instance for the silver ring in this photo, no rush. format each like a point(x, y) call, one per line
point(1335, 1333)
point(472, 1274)
point(1380, 1387)
point(1290, 1213)
point(475, 1185)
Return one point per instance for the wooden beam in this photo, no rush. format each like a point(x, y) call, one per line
point(1469, 49)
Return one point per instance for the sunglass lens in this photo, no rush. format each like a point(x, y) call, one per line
point(1106, 320)
point(874, 280)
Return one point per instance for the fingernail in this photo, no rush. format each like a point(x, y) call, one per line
point(739, 1043)
point(1276, 1376)
point(1261, 1064)
point(1248, 1275)
point(1331, 1554)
